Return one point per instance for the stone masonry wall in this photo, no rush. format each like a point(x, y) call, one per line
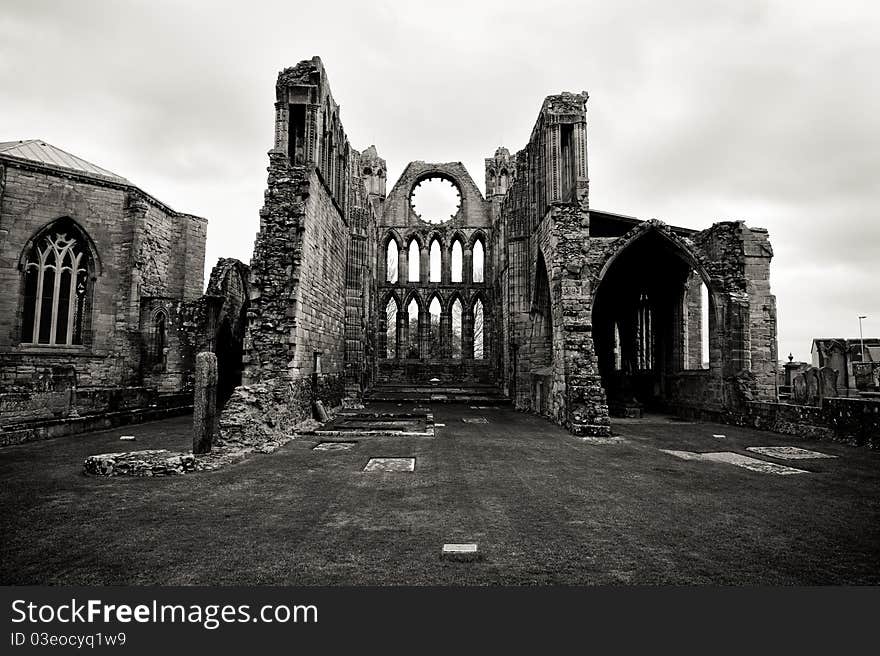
point(137, 246)
point(545, 213)
point(295, 343)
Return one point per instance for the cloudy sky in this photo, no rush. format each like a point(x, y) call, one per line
point(699, 111)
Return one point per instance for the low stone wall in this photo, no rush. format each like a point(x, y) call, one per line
point(32, 405)
point(853, 421)
point(45, 429)
point(850, 420)
point(153, 462)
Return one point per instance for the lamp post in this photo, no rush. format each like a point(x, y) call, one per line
point(861, 337)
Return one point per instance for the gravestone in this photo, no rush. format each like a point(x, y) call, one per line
point(799, 389)
point(828, 378)
point(811, 377)
point(205, 403)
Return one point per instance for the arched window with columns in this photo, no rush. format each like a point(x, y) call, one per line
point(57, 286)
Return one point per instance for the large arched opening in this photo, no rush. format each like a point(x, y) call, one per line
point(649, 322)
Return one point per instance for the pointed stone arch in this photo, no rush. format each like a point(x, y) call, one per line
point(697, 262)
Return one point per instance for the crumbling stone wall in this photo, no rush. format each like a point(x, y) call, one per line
point(303, 302)
point(546, 223)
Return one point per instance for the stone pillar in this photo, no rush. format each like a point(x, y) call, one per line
point(424, 332)
point(467, 333)
point(402, 334)
point(425, 264)
point(467, 273)
point(403, 266)
point(205, 402)
point(445, 335)
point(382, 334)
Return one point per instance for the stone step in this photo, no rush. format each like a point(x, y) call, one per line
point(419, 394)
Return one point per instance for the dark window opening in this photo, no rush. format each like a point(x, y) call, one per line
point(566, 133)
point(296, 145)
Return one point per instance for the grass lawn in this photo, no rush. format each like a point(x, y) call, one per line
point(544, 507)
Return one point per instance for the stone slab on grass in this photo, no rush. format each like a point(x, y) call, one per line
point(390, 465)
point(592, 439)
point(684, 455)
point(787, 452)
point(752, 464)
point(334, 446)
point(475, 420)
point(461, 552)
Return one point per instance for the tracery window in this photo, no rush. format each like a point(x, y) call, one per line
point(56, 283)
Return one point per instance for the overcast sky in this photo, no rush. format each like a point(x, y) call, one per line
point(699, 111)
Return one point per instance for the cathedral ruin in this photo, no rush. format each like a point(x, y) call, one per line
point(524, 294)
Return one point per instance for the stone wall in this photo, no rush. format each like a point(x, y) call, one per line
point(136, 247)
point(301, 294)
point(546, 292)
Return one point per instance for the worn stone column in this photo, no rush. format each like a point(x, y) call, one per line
point(445, 335)
point(402, 334)
point(467, 334)
point(205, 402)
point(403, 265)
point(424, 332)
point(382, 335)
point(425, 264)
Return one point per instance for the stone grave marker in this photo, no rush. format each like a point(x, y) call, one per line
point(390, 465)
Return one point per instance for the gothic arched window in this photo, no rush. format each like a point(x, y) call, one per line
point(479, 332)
point(414, 261)
point(56, 287)
point(391, 329)
point(479, 255)
point(435, 262)
point(391, 261)
point(456, 330)
point(159, 340)
point(457, 261)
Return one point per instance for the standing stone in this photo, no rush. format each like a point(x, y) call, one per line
point(205, 403)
